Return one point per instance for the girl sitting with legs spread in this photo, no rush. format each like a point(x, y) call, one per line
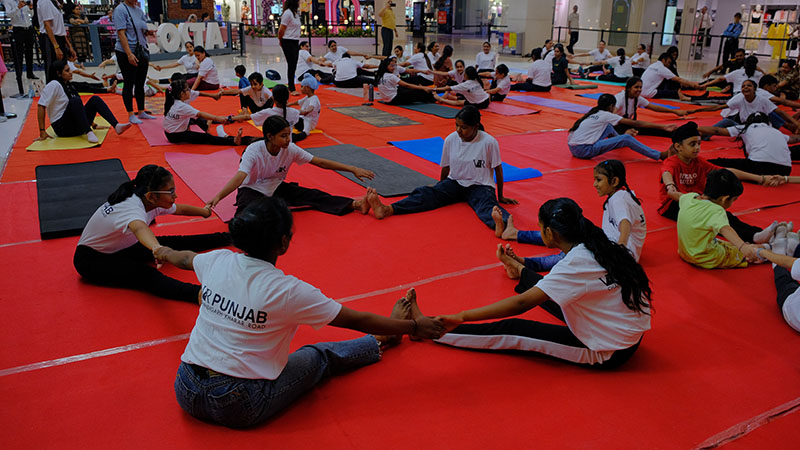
point(471, 89)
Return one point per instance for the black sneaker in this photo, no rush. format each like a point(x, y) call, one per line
point(32, 77)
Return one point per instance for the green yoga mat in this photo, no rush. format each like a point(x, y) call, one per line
point(375, 117)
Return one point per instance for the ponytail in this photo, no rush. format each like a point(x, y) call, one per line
point(149, 178)
point(603, 103)
point(565, 217)
point(280, 94)
point(383, 68)
point(174, 92)
point(446, 54)
point(756, 117)
point(621, 54)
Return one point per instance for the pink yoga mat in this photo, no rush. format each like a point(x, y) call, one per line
point(153, 131)
point(206, 175)
point(509, 110)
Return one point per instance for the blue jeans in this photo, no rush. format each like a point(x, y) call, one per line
point(481, 198)
point(776, 120)
point(239, 402)
point(538, 263)
point(611, 140)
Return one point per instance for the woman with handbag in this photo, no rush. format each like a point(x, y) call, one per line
point(133, 55)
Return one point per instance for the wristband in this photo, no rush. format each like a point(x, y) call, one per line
point(758, 252)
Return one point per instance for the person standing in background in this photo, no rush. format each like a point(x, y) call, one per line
point(305, 12)
point(731, 35)
point(388, 27)
point(289, 38)
point(704, 24)
point(573, 23)
point(53, 40)
point(19, 13)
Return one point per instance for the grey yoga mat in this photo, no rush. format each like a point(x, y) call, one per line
point(375, 117)
point(391, 179)
point(433, 108)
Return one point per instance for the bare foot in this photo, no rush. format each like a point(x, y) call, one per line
point(361, 205)
point(499, 225)
point(512, 266)
point(510, 232)
point(401, 310)
point(380, 210)
point(510, 252)
point(413, 309)
point(238, 139)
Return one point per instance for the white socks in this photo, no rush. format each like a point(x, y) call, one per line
point(221, 131)
point(91, 137)
point(766, 234)
point(144, 115)
point(134, 119)
point(121, 127)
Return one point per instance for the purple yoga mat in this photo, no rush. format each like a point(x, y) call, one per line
point(153, 131)
point(206, 175)
point(509, 110)
point(551, 103)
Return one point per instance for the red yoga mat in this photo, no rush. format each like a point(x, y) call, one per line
point(206, 175)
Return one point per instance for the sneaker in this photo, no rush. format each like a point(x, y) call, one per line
point(144, 115)
point(91, 137)
point(134, 119)
point(121, 127)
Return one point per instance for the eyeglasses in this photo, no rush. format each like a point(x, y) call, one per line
point(170, 192)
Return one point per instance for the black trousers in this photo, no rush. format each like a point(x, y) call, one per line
point(637, 72)
point(78, 118)
point(795, 150)
point(49, 52)
point(387, 34)
point(728, 49)
point(418, 80)
point(324, 77)
point(573, 39)
point(784, 283)
point(134, 78)
point(130, 268)
point(356, 82)
point(529, 87)
point(247, 102)
point(92, 88)
point(621, 129)
point(756, 167)
point(193, 137)
point(407, 96)
point(291, 49)
point(744, 230)
point(298, 196)
point(23, 42)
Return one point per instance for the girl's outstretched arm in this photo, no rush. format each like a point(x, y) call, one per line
point(361, 174)
point(232, 185)
point(511, 306)
point(189, 210)
point(181, 259)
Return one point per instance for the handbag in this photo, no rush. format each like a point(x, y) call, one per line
point(140, 51)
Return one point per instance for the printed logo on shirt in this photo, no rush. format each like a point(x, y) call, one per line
point(609, 282)
point(282, 169)
point(687, 179)
point(107, 209)
point(479, 163)
point(230, 310)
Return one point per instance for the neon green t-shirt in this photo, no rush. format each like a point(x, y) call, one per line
point(699, 223)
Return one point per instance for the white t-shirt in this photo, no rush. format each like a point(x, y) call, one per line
point(208, 70)
point(259, 97)
point(505, 85)
point(738, 76)
point(310, 119)
point(189, 62)
point(193, 95)
point(624, 70)
point(590, 130)
point(292, 23)
point(177, 119)
point(292, 115)
point(418, 62)
point(620, 109)
point(471, 162)
point(398, 69)
point(548, 55)
point(472, 91)
point(642, 60)
point(47, 10)
point(107, 230)
point(266, 172)
point(739, 105)
point(486, 60)
point(621, 206)
point(249, 313)
point(592, 306)
point(303, 65)
point(600, 56)
point(459, 77)
point(653, 76)
point(539, 72)
point(346, 69)
point(791, 307)
point(765, 144)
point(54, 99)
point(333, 57)
point(388, 86)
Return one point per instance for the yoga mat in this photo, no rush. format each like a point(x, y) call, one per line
point(69, 143)
point(295, 131)
point(610, 83)
point(391, 179)
point(434, 109)
point(356, 92)
point(552, 103)
point(431, 150)
point(68, 194)
point(206, 175)
point(509, 110)
point(374, 116)
point(153, 131)
point(596, 95)
point(576, 86)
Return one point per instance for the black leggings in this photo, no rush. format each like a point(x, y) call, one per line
point(129, 268)
point(621, 129)
point(247, 102)
point(418, 80)
point(482, 105)
point(134, 78)
point(291, 49)
point(92, 88)
point(298, 196)
point(756, 167)
point(324, 77)
point(529, 87)
point(613, 78)
point(355, 82)
point(194, 137)
point(407, 96)
point(78, 118)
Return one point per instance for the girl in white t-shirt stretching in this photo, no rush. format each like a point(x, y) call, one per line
point(117, 245)
point(470, 163)
point(598, 290)
point(265, 165)
point(472, 90)
point(395, 91)
point(237, 369)
point(207, 78)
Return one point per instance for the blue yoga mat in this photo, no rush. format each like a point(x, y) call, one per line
point(430, 149)
point(552, 103)
point(597, 95)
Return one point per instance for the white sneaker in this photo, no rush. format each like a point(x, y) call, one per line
point(134, 119)
point(121, 127)
point(91, 137)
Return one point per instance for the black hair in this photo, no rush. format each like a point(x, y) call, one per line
point(331, 42)
point(756, 117)
point(204, 15)
point(56, 68)
point(722, 182)
point(750, 65)
point(274, 125)
point(398, 46)
point(738, 14)
point(628, 85)
point(788, 61)
point(739, 50)
point(471, 73)
point(673, 49)
point(565, 217)
point(459, 61)
point(602, 41)
point(174, 91)
point(664, 56)
point(536, 53)
point(280, 95)
point(291, 4)
point(447, 52)
point(383, 68)
point(621, 54)
point(560, 48)
point(260, 228)
point(346, 55)
point(766, 80)
point(240, 70)
point(603, 103)
point(643, 47)
point(547, 41)
point(256, 77)
point(486, 42)
point(177, 76)
point(471, 116)
point(502, 68)
point(431, 44)
point(612, 168)
point(200, 49)
point(421, 47)
point(149, 178)
point(303, 43)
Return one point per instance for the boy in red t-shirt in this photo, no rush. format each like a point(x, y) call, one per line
point(686, 172)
